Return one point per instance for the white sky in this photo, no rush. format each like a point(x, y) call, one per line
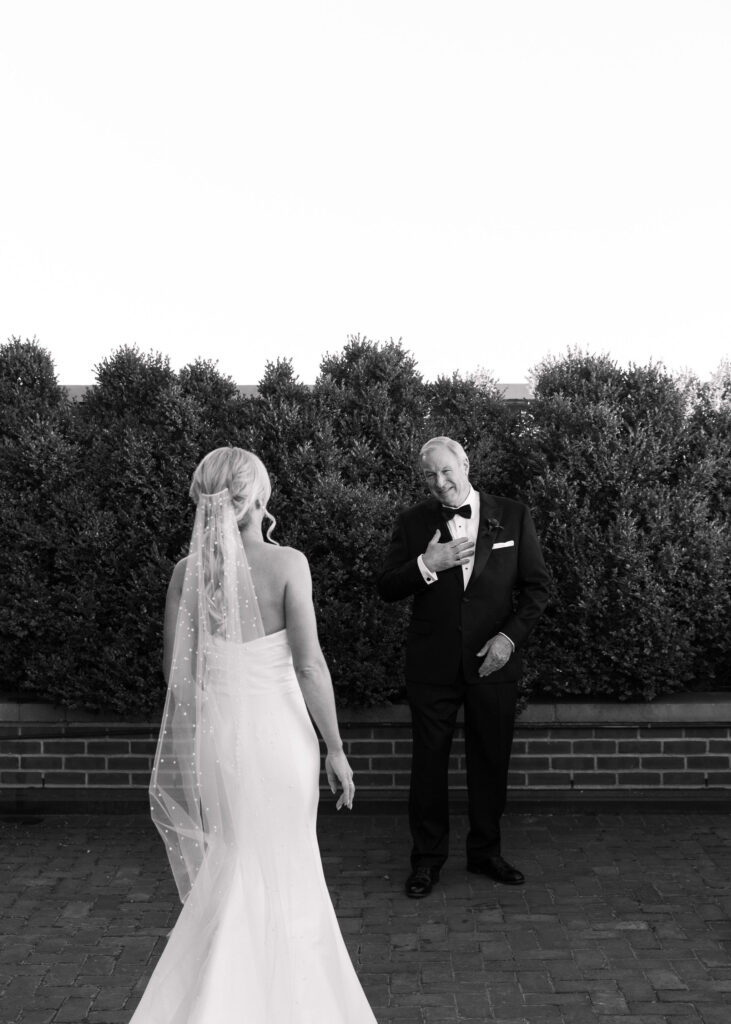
point(489, 181)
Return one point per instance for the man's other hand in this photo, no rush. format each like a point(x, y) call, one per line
point(498, 650)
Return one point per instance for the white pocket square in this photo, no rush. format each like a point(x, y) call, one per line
point(504, 544)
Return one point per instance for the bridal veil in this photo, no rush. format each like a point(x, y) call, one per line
point(187, 796)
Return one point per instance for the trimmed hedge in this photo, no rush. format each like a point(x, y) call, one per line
point(631, 498)
point(627, 473)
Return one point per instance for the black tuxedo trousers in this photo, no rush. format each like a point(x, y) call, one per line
point(489, 717)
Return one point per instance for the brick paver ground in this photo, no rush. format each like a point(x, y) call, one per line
point(625, 919)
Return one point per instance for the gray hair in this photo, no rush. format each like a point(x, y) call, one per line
point(444, 442)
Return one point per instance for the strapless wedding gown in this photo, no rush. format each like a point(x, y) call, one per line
point(257, 940)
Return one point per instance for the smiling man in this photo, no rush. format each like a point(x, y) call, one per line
point(473, 566)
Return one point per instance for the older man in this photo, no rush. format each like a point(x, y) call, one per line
point(473, 565)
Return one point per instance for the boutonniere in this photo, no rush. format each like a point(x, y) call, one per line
point(493, 523)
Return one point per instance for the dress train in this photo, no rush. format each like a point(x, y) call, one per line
point(257, 940)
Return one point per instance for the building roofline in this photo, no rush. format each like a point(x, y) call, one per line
point(512, 392)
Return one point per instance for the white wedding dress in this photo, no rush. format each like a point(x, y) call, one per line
point(257, 940)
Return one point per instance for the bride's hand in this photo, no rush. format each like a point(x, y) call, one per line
point(339, 771)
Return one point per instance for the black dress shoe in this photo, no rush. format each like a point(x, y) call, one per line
point(421, 881)
point(499, 869)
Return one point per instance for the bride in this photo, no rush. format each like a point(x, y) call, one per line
point(234, 788)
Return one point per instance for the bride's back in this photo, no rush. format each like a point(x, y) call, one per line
point(271, 568)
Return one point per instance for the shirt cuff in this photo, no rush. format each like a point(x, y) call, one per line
point(509, 640)
point(429, 576)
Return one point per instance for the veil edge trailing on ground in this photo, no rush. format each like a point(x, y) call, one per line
point(218, 602)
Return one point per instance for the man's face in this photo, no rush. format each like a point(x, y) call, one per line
point(446, 475)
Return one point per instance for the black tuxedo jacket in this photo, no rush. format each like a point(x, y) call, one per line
point(507, 591)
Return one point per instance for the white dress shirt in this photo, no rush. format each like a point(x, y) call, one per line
point(460, 527)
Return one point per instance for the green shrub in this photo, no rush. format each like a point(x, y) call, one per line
point(640, 559)
point(29, 391)
point(341, 527)
point(35, 461)
point(627, 473)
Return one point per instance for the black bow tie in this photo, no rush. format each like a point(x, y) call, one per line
point(464, 510)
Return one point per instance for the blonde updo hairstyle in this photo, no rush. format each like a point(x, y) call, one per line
point(246, 478)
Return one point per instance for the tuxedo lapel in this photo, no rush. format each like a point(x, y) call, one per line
point(436, 521)
point(486, 533)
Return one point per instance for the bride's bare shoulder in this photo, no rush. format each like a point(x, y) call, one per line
point(175, 586)
point(179, 572)
point(273, 555)
point(289, 558)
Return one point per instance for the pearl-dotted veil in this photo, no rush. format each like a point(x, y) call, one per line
point(218, 602)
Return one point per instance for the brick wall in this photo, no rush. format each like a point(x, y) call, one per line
point(639, 757)
point(567, 757)
point(683, 745)
point(75, 760)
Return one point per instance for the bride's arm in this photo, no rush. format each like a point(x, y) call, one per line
point(312, 672)
point(172, 603)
